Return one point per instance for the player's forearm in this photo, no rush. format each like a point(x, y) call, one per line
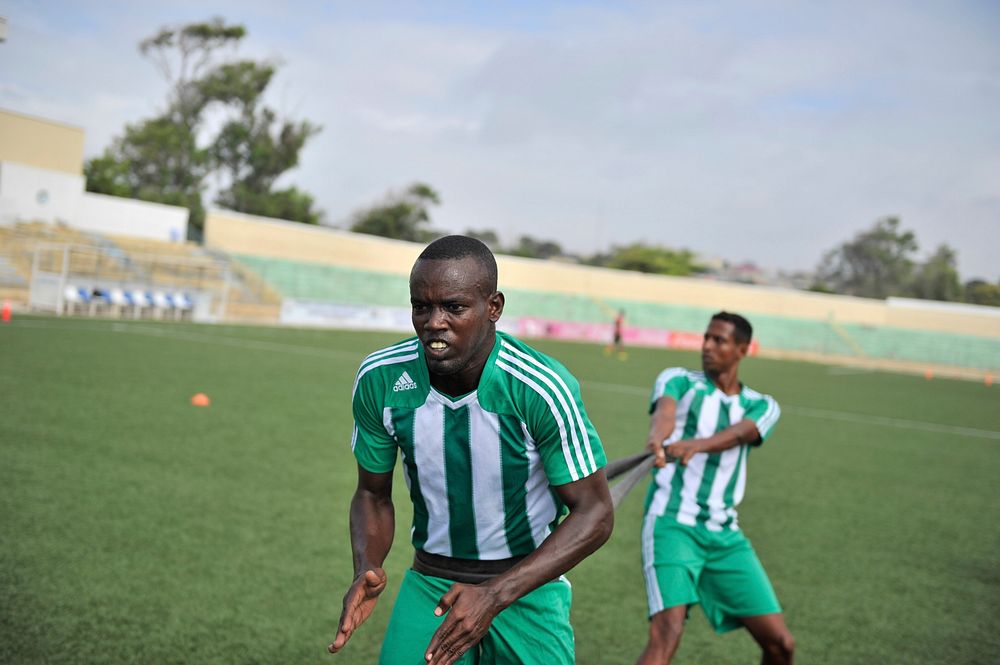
point(662, 422)
point(584, 530)
point(373, 523)
point(742, 432)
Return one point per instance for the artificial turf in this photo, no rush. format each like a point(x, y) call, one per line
point(136, 528)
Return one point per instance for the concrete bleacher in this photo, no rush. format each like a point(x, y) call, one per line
point(316, 281)
point(97, 266)
point(17, 252)
point(921, 346)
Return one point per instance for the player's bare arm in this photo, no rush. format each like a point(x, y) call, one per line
point(470, 609)
point(742, 432)
point(661, 426)
point(372, 526)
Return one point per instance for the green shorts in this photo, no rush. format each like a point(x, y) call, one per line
point(685, 565)
point(535, 630)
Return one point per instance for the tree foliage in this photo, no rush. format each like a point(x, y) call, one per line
point(877, 263)
point(533, 248)
point(981, 292)
point(649, 259)
point(154, 160)
point(880, 262)
point(937, 277)
point(403, 216)
point(488, 237)
point(161, 159)
point(253, 149)
point(182, 54)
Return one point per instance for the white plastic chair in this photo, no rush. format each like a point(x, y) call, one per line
point(161, 304)
point(140, 302)
point(182, 304)
point(73, 296)
point(118, 301)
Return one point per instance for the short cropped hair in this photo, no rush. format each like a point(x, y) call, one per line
point(460, 247)
point(742, 330)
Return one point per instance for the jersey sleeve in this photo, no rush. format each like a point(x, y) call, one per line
point(765, 413)
point(558, 422)
point(672, 382)
point(373, 447)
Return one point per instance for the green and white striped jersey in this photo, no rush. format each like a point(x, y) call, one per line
point(709, 488)
point(479, 468)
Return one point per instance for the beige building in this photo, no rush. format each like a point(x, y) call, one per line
point(41, 179)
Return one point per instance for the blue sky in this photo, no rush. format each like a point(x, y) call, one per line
point(764, 131)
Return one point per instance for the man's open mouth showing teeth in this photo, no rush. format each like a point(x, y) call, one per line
point(437, 346)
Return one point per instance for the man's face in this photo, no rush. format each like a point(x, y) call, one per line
point(454, 312)
point(719, 350)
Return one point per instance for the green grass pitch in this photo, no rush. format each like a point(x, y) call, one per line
point(135, 528)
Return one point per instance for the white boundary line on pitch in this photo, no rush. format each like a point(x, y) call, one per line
point(838, 370)
point(145, 329)
point(257, 345)
point(844, 416)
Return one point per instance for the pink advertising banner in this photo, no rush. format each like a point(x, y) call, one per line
point(604, 333)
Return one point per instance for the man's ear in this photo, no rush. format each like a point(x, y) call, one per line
point(743, 348)
point(495, 305)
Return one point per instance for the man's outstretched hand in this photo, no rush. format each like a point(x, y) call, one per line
point(359, 601)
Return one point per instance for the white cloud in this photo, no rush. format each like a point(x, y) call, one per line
point(769, 132)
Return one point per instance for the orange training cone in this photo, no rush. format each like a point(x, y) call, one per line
point(200, 399)
point(928, 375)
point(988, 380)
point(5, 312)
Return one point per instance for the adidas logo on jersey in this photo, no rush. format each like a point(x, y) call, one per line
point(404, 382)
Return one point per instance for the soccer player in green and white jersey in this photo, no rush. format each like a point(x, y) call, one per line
point(504, 470)
point(693, 550)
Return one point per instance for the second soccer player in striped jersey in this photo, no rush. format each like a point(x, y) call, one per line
point(504, 470)
point(693, 550)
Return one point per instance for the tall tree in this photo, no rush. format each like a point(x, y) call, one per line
point(183, 54)
point(161, 159)
point(877, 263)
point(937, 277)
point(650, 259)
point(533, 248)
point(488, 237)
point(251, 151)
point(981, 292)
point(401, 216)
point(154, 160)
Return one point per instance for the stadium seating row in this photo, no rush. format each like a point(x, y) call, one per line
point(120, 302)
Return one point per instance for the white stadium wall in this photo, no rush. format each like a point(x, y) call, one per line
point(30, 193)
point(131, 217)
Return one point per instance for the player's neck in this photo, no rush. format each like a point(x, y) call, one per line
point(727, 381)
point(460, 383)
